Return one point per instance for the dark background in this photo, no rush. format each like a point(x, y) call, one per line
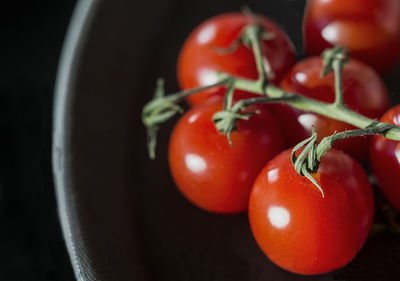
point(31, 243)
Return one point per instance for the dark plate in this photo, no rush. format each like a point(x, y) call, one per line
point(121, 214)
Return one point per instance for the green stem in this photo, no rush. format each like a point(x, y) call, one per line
point(229, 94)
point(307, 104)
point(161, 107)
point(252, 34)
point(240, 105)
point(181, 95)
point(338, 67)
point(374, 129)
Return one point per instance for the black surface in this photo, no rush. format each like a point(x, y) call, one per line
point(31, 244)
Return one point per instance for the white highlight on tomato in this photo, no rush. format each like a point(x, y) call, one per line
point(307, 120)
point(206, 34)
point(207, 77)
point(301, 77)
point(278, 216)
point(193, 118)
point(195, 163)
point(330, 33)
point(273, 175)
point(396, 120)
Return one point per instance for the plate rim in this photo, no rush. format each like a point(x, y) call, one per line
point(74, 41)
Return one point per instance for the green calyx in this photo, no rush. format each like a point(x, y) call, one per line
point(157, 111)
point(225, 120)
point(337, 54)
point(310, 157)
point(251, 37)
point(162, 108)
point(307, 163)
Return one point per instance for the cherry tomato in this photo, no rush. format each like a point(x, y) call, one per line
point(199, 61)
point(363, 92)
point(207, 170)
point(385, 160)
point(303, 232)
point(370, 29)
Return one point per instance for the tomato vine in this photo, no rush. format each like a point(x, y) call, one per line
point(162, 107)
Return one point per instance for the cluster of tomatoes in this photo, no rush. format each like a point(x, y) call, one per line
point(293, 224)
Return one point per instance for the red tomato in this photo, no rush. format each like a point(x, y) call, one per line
point(385, 160)
point(208, 171)
point(198, 61)
point(303, 232)
point(370, 29)
point(363, 90)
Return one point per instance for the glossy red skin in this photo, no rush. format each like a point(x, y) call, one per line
point(199, 62)
point(363, 90)
point(385, 160)
point(298, 229)
point(222, 179)
point(370, 29)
